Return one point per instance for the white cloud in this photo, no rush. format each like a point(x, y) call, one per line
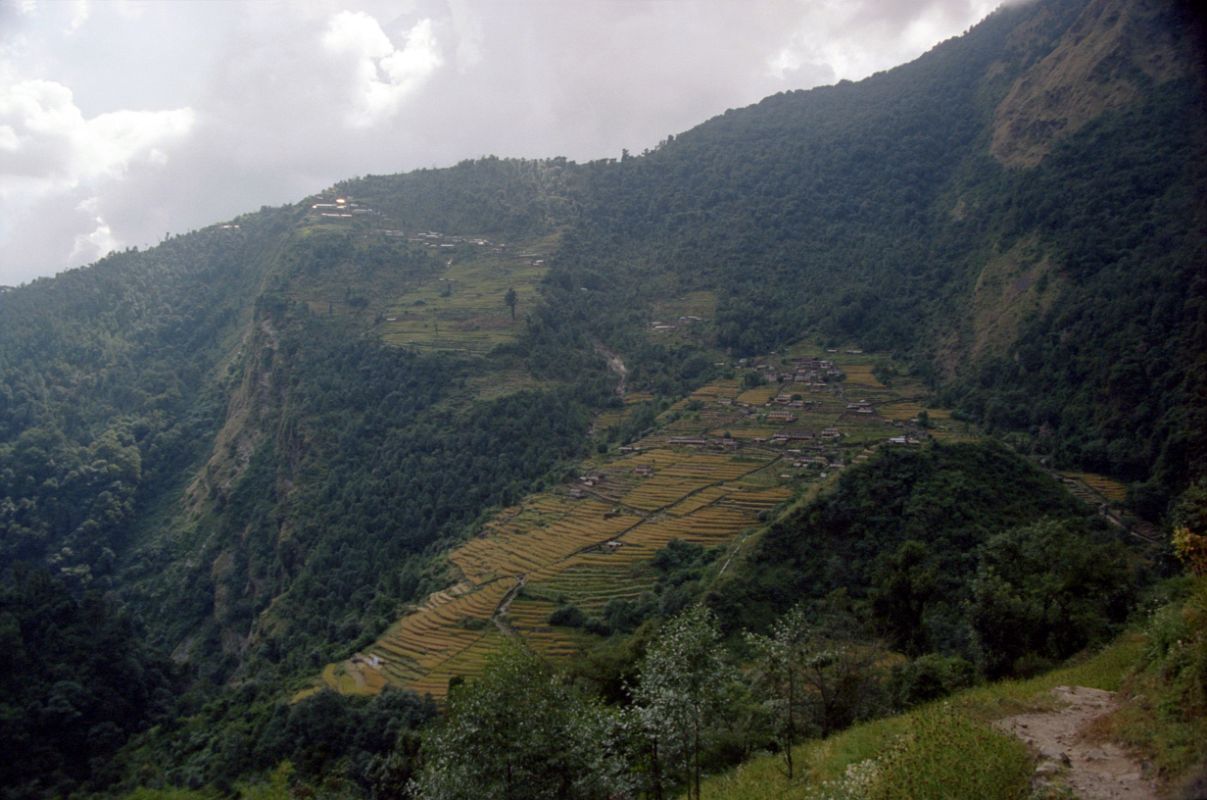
point(43, 133)
point(100, 241)
point(469, 34)
point(382, 76)
point(79, 15)
point(856, 38)
point(51, 154)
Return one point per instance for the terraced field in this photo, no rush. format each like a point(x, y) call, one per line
point(1100, 487)
point(861, 375)
point(592, 540)
point(462, 307)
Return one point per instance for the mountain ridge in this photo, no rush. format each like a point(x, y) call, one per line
point(264, 436)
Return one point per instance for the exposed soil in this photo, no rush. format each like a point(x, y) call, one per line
point(616, 365)
point(1092, 770)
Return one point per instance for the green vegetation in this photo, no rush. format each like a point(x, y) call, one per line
point(520, 732)
point(303, 440)
point(74, 682)
point(952, 548)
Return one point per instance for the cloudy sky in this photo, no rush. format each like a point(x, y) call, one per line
point(121, 121)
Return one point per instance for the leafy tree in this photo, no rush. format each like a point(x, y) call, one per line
point(520, 731)
point(905, 583)
point(1189, 537)
point(780, 659)
point(510, 300)
point(1043, 592)
point(75, 684)
point(684, 689)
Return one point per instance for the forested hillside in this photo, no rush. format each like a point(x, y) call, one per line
point(257, 442)
point(1061, 298)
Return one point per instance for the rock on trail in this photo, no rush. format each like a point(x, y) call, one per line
point(1091, 770)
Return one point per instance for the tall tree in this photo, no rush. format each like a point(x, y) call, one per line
point(685, 686)
point(510, 299)
point(520, 731)
point(779, 663)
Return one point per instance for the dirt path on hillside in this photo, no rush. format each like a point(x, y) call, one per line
point(616, 365)
point(1091, 770)
point(499, 616)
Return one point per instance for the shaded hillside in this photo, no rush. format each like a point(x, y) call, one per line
point(75, 681)
point(963, 549)
point(110, 383)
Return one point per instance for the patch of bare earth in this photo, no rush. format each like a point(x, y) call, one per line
point(1068, 757)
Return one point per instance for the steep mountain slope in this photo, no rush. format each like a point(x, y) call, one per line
point(1104, 61)
point(882, 212)
point(262, 435)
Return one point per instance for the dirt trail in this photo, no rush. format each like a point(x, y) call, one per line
point(616, 365)
point(1091, 770)
point(500, 612)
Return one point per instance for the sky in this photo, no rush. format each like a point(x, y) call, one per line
point(124, 121)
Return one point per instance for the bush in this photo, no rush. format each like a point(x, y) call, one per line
point(929, 677)
point(568, 616)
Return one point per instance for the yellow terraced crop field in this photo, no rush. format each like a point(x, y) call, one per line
point(758, 500)
point(521, 550)
point(900, 411)
point(591, 580)
point(699, 500)
point(427, 643)
point(530, 619)
point(728, 389)
point(1109, 488)
point(716, 466)
point(663, 490)
point(861, 374)
point(759, 395)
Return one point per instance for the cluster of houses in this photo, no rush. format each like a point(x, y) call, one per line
point(817, 462)
point(861, 407)
point(701, 441)
point(791, 401)
point(824, 436)
point(587, 481)
point(686, 319)
point(807, 370)
point(784, 437)
point(814, 371)
point(338, 208)
point(447, 241)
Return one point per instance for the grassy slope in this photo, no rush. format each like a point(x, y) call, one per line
point(1157, 668)
point(946, 735)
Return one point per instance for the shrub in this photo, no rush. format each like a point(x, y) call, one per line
point(569, 616)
